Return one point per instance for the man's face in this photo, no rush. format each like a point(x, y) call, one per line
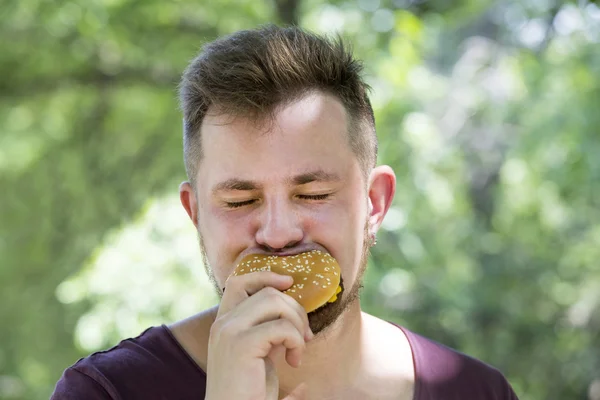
point(286, 187)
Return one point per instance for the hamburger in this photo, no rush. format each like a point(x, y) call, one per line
point(316, 274)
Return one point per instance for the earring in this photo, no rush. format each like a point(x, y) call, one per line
point(373, 239)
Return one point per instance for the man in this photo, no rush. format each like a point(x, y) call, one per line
point(280, 150)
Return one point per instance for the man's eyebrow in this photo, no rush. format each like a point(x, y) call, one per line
point(314, 176)
point(302, 179)
point(236, 184)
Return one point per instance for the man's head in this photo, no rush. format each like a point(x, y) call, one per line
point(252, 73)
point(280, 150)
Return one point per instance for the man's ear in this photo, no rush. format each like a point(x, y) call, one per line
point(382, 187)
point(188, 200)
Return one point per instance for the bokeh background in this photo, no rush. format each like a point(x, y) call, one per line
point(489, 112)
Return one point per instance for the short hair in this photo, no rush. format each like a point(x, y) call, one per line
point(251, 73)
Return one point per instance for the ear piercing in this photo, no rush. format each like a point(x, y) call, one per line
point(373, 239)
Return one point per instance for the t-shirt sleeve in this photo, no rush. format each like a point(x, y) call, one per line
point(444, 373)
point(74, 384)
point(509, 392)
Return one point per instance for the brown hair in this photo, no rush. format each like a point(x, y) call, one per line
point(253, 72)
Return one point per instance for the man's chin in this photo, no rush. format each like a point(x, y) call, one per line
point(324, 317)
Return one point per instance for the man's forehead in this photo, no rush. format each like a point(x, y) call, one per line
point(306, 112)
point(300, 140)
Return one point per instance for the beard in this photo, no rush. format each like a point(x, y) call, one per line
point(325, 316)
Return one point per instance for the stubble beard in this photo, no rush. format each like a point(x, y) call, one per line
point(324, 317)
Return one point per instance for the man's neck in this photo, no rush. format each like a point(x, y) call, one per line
point(332, 359)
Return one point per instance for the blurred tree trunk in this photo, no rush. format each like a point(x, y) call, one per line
point(288, 11)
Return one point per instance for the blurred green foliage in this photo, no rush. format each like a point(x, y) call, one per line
point(487, 111)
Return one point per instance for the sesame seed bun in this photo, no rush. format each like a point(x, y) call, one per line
point(316, 275)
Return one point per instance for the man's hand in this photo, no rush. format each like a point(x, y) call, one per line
point(254, 318)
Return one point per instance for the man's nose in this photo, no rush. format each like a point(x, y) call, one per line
point(280, 226)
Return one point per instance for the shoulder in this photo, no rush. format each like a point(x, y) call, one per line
point(150, 362)
point(444, 373)
point(74, 383)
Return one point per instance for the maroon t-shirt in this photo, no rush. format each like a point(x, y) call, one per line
point(155, 366)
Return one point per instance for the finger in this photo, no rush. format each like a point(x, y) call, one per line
point(239, 288)
point(294, 357)
point(262, 338)
point(267, 305)
point(272, 381)
point(308, 334)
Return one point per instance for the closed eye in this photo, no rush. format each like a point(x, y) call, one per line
point(314, 196)
point(238, 204)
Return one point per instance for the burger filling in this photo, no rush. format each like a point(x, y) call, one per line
point(334, 297)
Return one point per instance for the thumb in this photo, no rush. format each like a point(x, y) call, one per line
point(272, 381)
point(299, 393)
